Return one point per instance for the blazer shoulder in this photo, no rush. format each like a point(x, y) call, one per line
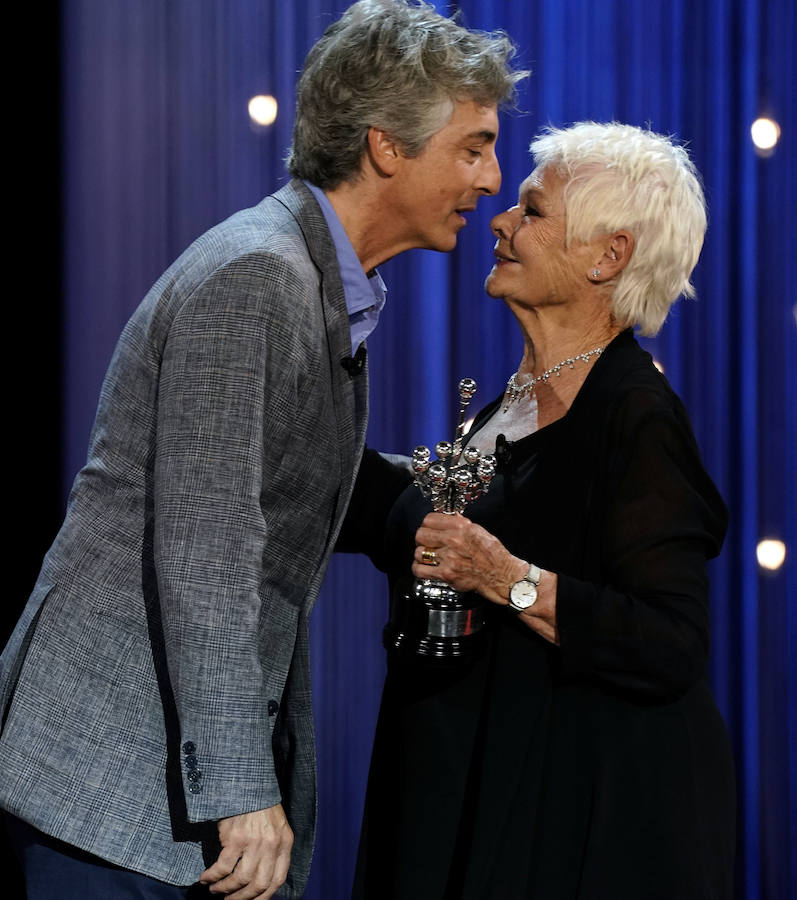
point(282, 236)
point(300, 203)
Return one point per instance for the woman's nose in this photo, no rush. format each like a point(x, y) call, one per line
point(503, 224)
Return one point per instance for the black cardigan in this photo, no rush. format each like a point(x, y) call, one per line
point(599, 768)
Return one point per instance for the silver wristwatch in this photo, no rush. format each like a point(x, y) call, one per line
point(523, 593)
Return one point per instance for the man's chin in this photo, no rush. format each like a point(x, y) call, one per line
point(442, 246)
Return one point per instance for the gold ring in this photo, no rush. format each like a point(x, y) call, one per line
point(429, 558)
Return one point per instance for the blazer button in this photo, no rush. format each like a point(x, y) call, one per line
point(189, 747)
point(273, 707)
point(195, 788)
point(193, 775)
point(191, 762)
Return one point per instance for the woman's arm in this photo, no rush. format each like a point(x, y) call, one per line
point(644, 627)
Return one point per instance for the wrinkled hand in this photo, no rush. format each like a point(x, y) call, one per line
point(255, 855)
point(469, 558)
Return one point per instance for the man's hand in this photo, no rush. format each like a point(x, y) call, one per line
point(255, 855)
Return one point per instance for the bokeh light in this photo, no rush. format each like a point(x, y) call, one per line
point(263, 109)
point(771, 553)
point(765, 133)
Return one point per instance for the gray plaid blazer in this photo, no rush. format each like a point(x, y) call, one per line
point(158, 679)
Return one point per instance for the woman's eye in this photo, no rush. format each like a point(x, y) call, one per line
point(530, 211)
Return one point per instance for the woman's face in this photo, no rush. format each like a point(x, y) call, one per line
point(533, 267)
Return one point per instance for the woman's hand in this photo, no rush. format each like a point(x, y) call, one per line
point(471, 559)
point(468, 557)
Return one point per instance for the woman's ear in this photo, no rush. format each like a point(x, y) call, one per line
point(617, 254)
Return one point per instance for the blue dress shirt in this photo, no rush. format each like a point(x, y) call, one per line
point(365, 294)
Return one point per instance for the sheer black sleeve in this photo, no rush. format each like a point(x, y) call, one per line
point(645, 628)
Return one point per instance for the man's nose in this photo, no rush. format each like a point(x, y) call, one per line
point(490, 175)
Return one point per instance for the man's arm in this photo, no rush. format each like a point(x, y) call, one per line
point(228, 642)
point(380, 480)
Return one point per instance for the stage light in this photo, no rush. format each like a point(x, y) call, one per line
point(263, 109)
point(765, 133)
point(770, 553)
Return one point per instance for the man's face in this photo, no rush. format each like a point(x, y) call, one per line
point(431, 191)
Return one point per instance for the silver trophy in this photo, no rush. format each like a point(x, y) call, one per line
point(428, 617)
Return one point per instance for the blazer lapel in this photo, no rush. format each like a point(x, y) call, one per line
point(349, 391)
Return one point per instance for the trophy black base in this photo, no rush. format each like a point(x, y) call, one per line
point(430, 619)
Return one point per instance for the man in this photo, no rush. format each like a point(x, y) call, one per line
point(155, 692)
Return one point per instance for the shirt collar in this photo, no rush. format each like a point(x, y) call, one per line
point(362, 291)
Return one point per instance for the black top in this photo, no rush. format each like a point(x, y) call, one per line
point(596, 769)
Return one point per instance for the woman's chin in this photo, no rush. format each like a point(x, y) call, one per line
point(491, 288)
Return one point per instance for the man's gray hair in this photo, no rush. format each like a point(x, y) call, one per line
point(623, 177)
point(395, 65)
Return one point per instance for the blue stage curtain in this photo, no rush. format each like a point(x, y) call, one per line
point(157, 147)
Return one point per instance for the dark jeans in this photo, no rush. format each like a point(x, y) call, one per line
point(54, 870)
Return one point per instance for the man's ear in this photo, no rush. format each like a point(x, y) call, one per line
point(383, 151)
point(617, 254)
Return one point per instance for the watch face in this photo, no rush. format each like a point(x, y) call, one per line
point(523, 594)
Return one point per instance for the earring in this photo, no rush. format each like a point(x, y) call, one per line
point(596, 273)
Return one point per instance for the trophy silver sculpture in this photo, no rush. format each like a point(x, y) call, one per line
point(428, 617)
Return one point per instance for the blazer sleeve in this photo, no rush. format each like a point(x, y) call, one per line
point(644, 629)
point(228, 647)
point(381, 478)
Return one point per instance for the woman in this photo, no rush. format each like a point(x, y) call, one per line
point(581, 755)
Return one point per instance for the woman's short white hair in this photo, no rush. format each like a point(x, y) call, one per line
point(623, 177)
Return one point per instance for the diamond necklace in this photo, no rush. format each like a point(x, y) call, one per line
point(515, 391)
